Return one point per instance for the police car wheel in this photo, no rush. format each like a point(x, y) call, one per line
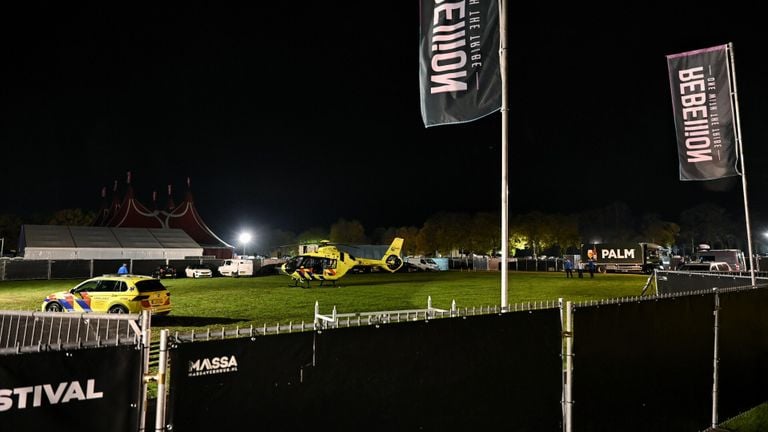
point(118, 309)
point(54, 307)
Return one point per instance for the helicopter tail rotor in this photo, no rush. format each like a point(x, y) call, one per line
point(393, 263)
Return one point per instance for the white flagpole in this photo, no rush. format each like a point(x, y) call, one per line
point(740, 148)
point(504, 152)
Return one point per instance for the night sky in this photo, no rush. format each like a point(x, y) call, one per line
point(291, 116)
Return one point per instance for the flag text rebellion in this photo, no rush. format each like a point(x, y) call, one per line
point(460, 80)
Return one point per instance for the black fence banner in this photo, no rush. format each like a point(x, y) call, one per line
point(84, 390)
point(459, 60)
point(644, 366)
point(70, 269)
point(743, 338)
point(469, 373)
point(677, 282)
point(701, 100)
point(224, 384)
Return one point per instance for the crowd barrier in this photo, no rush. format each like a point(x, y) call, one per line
point(55, 367)
point(672, 362)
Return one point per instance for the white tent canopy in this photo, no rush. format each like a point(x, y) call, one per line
point(51, 242)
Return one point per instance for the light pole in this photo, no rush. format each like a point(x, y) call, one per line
point(244, 238)
point(2, 246)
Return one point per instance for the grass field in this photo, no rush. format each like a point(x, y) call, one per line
point(229, 302)
point(203, 303)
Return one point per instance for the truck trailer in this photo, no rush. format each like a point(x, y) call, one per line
point(626, 257)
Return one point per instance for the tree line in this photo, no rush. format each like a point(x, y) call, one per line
point(534, 233)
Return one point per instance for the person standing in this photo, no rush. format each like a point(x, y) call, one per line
point(568, 265)
point(123, 270)
point(591, 268)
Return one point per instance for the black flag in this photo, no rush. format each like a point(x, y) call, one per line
point(701, 99)
point(459, 60)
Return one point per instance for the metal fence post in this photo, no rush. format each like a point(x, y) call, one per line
point(568, 389)
point(716, 358)
point(161, 375)
point(317, 312)
point(145, 339)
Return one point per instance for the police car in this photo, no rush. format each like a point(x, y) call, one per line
point(112, 294)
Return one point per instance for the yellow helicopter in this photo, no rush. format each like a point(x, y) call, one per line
point(329, 263)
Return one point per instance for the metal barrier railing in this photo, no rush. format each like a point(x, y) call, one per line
point(251, 331)
point(335, 319)
point(379, 317)
point(44, 331)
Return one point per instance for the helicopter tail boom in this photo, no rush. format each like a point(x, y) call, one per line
point(395, 248)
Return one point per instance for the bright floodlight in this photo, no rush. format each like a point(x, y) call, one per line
point(245, 237)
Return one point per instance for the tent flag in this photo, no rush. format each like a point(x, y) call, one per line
point(704, 123)
point(458, 60)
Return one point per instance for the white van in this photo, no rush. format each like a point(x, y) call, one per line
point(422, 264)
point(236, 267)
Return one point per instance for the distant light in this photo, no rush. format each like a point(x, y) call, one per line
point(245, 237)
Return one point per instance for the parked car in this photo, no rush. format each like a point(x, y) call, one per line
point(112, 294)
point(707, 266)
point(164, 271)
point(198, 271)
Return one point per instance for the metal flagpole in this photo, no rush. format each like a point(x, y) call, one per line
point(716, 361)
point(735, 99)
point(504, 162)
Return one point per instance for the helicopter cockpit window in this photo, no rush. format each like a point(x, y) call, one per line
point(330, 264)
